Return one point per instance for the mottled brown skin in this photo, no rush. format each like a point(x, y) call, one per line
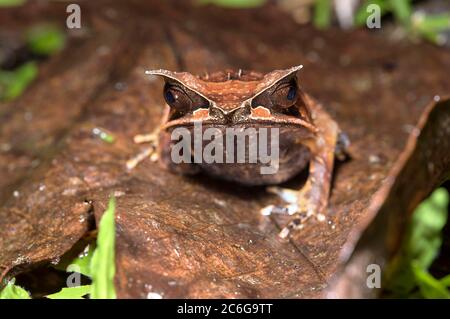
point(250, 99)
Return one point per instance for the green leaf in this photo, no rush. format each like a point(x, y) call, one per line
point(322, 13)
point(13, 83)
point(103, 261)
point(435, 22)
point(45, 39)
point(12, 291)
point(11, 3)
point(80, 263)
point(71, 293)
point(401, 10)
point(96, 261)
point(445, 281)
point(83, 261)
point(420, 247)
point(430, 26)
point(425, 236)
point(417, 24)
point(234, 3)
point(429, 35)
point(430, 287)
point(363, 14)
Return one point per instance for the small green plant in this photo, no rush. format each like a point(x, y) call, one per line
point(12, 291)
point(408, 275)
point(13, 83)
point(430, 287)
point(363, 13)
point(71, 293)
point(42, 40)
point(103, 260)
point(98, 263)
point(417, 25)
point(45, 39)
point(428, 26)
point(322, 13)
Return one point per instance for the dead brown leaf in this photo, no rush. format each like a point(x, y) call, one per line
point(197, 237)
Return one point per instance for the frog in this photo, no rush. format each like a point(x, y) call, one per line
point(308, 137)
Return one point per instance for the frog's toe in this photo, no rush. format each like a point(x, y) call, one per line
point(289, 209)
point(146, 138)
point(148, 152)
point(300, 204)
point(297, 223)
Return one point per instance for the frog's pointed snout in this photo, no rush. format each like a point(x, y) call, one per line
point(230, 114)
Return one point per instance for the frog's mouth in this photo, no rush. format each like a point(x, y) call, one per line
point(257, 118)
point(244, 115)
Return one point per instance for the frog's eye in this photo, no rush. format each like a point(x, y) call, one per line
point(169, 97)
point(182, 99)
point(285, 95)
point(177, 98)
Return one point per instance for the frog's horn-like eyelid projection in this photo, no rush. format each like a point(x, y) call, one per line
point(166, 74)
point(272, 79)
point(190, 81)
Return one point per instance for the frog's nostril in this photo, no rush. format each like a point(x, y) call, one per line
point(240, 113)
point(216, 112)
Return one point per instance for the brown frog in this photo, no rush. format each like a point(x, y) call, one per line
point(241, 100)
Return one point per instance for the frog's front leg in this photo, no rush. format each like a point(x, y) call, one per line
point(160, 150)
point(151, 151)
point(312, 199)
